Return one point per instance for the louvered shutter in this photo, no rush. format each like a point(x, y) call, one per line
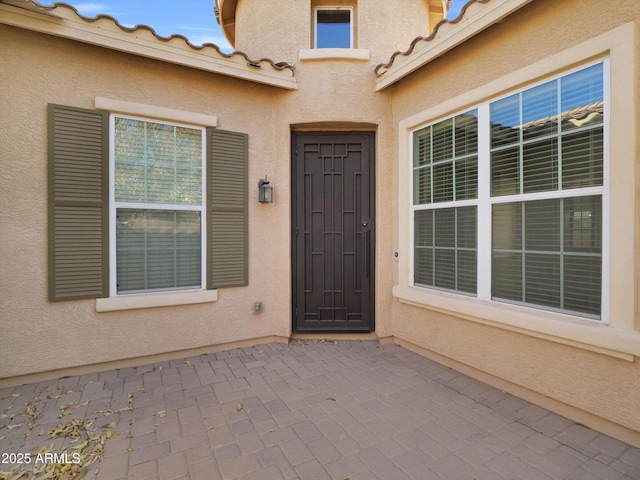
point(227, 209)
point(78, 203)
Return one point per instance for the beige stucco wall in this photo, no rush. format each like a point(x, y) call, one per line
point(562, 375)
point(37, 335)
point(380, 26)
point(338, 95)
point(41, 336)
point(332, 94)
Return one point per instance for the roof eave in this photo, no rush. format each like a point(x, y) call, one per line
point(226, 15)
point(447, 35)
point(64, 21)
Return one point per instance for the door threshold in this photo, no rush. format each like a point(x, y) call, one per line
point(331, 336)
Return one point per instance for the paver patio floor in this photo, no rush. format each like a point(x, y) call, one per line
point(306, 410)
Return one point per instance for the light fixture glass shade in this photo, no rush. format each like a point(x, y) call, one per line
point(265, 191)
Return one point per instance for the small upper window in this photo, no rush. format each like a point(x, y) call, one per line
point(334, 27)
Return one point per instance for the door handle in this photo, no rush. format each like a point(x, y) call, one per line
point(367, 241)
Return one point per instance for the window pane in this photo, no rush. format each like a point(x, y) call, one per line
point(130, 238)
point(439, 175)
point(467, 271)
point(466, 133)
point(445, 227)
point(157, 163)
point(540, 166)
point(443, 182)
point(507, 251)
point(542, 225)
point(422, 147)
point(466, 235)
point(507, 226)
point(333, 28)
point(442, 140)
point(130, 172)
point(505, 172)
point(583, 224)
point(445, 269)
point(466, 239)
point(506, 281)
point(160, 178)
point(157, 249)
point(421, 158)
point(160, 143)
point(505, 121)
point(188, 250)
point(542, 280)
point(423, 274)
point(424, 228)
point(423, 247)
point(582, 158)
point(582, 284)
point(467, 178)
point(160, 256)
point(445, 248)
point(422, 186)
point(551, 158)
point(554, 265)
point(583, 262)
point(582, 97)
point(540, 110)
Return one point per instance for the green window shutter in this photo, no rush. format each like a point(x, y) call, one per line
point(78, 203)
point(227, 209)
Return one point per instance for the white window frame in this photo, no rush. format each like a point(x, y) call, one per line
point(315, 24)
point(485, 201)
point(472, 202)
point(113, 206)
point(616, 333)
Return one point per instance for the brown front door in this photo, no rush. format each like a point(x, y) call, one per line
point(333, 232)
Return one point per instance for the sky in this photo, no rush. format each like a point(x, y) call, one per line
point(195, 19)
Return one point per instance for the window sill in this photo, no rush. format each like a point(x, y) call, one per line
point(151, 300)
point(564, 329)
point(313, 54)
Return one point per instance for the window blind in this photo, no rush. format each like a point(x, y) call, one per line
point(157, 163)
point(549, 139)
point(544, 168)
point(549, 253)
point(158, 194)
point(446, 170)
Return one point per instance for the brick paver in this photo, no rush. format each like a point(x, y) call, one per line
point(307, 410)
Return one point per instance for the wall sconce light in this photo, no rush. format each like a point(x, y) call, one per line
point(265, 191)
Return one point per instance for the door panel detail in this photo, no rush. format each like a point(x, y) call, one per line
point(332, 232)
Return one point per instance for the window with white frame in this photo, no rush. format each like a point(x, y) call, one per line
point(158, 193)
point(140, 205)
point(445, 193)
point(333, 27)
point(508, 197)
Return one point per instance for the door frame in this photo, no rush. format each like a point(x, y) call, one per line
point(373, 228)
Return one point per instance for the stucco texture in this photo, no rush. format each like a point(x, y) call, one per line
point(380, 26)
point(42, 336)
point(606, 387)
point(332, 94)
point(38, 335)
